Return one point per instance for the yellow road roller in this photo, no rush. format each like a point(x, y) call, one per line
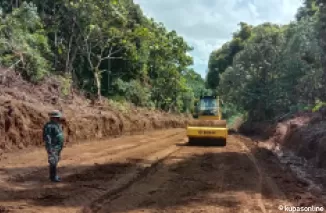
point(208, 126)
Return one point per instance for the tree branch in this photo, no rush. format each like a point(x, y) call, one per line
point(109, 56)
point(89, 55)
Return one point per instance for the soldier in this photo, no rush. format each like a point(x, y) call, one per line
point(53, 138)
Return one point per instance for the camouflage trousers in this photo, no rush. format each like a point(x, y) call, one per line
point(54, 156)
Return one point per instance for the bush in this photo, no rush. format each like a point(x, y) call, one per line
point(134, 92)
point(318, 105)
point(122, 106)
point(23, 42)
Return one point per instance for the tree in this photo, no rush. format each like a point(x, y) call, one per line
point(23, 42)
point(308, 9)
point(222, 58)
point(106, 48)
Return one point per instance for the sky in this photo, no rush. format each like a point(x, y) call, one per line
point(207, 24)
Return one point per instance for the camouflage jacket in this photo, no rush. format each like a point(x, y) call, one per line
point(53, 135)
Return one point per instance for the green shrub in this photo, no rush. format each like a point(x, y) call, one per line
point(318, 105)
point(23, 42)
point(134, 92)
point(65, 84)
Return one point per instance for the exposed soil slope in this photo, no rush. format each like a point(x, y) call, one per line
point(303, 133)
point(24, 108)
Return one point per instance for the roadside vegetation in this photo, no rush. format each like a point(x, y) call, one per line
point(107, 49)
point(270, 71)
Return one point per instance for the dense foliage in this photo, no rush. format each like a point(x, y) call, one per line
point(267, 71)
point(109, 49)
point(105, 47)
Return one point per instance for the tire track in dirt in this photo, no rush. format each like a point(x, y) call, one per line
point(78, 193)
point(133, 176)
point(102, 149)
point(197, 179)
point(260, 178)
point(139, 151)
point(16, 160)
point(92, 160)
point(281, 184)
point(192, 167)
point(140, 166)
point(160, 174)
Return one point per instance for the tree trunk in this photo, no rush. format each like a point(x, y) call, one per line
point(109, 76)
point(97, 77)
point(67, 67)
point(71, 56)
point(322, 40)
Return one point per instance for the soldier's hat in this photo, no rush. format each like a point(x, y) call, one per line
point(55, 114)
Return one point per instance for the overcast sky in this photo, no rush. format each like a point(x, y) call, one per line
point(207, 24)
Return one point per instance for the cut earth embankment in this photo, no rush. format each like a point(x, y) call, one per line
point(24, 108)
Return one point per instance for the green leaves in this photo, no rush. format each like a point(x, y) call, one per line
point(222, 58)
point(109, 46)
point(275, 70)
point(24, 43)
point(114, 2)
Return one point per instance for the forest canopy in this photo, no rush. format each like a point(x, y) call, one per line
point(270, 70)
point(110, 49)
point(106, 48)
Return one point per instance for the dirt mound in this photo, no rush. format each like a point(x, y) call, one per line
point(263, 129)
point(303, 133)
point(286, 128)
point(24, 108)
point(50, 90)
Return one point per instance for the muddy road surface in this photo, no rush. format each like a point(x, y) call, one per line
point(154, 172)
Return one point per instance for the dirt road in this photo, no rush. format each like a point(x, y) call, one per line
point(155, 172)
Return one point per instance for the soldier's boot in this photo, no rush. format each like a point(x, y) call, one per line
point(53, 174)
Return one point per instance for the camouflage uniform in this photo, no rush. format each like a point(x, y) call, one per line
point(53, 138)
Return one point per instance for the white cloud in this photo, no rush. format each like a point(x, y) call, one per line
point(207, 24)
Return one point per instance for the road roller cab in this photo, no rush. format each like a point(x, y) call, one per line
point(208, 125)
